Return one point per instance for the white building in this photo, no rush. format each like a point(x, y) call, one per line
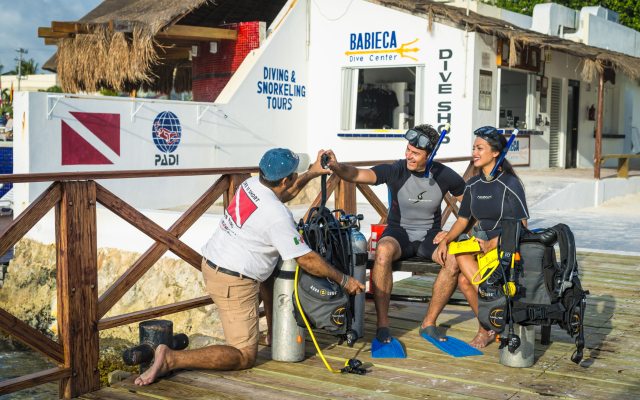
point(353, 76)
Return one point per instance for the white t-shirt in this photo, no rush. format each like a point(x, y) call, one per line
point(256, 228)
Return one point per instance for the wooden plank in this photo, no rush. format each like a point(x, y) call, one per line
point(451, 207)
point(332, 182)
point(44, 32)
point(599, 122)
point(31, 380)
point(130, 318)
point(168, 55)
point(345, 198)
point(153, 173)
point(29, 217)
point(198, 33)
point(623, 168)
point(147, 226)
point(247, 389)
point(31, 337)
point(51, 42)
point(125, 282)
point(177, 42)
point(235, 180)
point(68, 27)
point(108, 393)
point(606, 156)
point(94, 175)
point(371, 197)
point(77, 269)
point(165, 389)
point(415, 264)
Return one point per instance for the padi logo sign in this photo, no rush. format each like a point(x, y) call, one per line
point(378, 47)
point(166, 133)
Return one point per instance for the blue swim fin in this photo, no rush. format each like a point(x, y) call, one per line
point(387, 350)
point(453, 347)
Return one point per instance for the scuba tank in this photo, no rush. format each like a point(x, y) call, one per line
point(321, 303)
point(360, 256)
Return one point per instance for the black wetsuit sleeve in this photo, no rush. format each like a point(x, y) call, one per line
point(388, 172)
point(517, 200)
point(465, 206)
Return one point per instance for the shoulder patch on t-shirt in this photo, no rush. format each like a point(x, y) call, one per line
point(241, 207)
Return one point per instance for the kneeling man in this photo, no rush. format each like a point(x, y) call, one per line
point(238, 262)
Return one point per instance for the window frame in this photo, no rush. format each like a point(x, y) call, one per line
point(349, 87)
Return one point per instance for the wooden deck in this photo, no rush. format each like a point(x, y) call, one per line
point(610, 369)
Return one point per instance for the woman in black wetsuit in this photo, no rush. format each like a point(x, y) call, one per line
point(490, 203)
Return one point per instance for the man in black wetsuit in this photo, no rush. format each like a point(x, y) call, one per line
point(413, 223)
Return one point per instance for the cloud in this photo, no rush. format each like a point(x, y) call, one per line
point(20, 22)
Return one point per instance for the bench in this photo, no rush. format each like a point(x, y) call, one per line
point(623, 162)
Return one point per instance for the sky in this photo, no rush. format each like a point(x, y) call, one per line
point(20, 20)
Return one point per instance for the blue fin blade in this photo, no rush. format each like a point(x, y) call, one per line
point(387, 350)
point(454, 347)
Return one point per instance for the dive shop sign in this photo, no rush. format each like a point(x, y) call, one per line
point(378, 47)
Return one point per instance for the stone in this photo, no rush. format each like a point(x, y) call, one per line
point(117, 376)
point(29, 291)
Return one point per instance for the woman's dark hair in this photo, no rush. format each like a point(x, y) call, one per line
point(272, 184)
point(506, 165)
point(431, 133)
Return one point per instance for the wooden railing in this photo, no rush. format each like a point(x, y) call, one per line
point(80, 311)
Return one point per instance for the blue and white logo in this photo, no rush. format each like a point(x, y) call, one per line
point(166, 132)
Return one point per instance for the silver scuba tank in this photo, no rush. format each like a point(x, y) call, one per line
point(287, 342)
point(360, 255)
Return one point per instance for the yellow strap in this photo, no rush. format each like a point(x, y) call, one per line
point(487, 263)
point(308, 327)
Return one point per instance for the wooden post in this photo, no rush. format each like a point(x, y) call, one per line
point(346, 197)
point(235, 180)
point(596, 158)
point(77, 249)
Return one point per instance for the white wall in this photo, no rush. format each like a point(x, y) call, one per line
point(29, 83)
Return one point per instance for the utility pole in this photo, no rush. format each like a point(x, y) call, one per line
point(21, 51)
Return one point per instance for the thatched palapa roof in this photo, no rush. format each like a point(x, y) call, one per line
point(595, 59)
point(141, 54)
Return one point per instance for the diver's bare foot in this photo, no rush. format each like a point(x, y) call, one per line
point(160, 367)
point(482, 339)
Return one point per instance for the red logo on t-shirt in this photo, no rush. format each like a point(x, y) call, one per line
point(241, 207)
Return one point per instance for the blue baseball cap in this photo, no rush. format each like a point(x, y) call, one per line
point(279, 163)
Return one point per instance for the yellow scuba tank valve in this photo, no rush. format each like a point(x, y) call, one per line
point(351, 366)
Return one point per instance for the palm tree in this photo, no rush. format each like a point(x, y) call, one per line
point(29, 67)
point(6, 96)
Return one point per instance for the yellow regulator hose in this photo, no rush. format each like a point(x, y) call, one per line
point(308, 327)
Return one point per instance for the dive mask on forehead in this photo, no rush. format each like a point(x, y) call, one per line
point(489, 133)
point(418, 140)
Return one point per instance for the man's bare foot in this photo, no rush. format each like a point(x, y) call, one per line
point(160, 366)
point(482, 339)
point(267, 339)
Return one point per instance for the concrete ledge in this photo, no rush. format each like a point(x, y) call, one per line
point(589, 194)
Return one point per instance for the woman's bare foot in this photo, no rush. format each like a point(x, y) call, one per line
point(160, 366)
point(267, 339)
point(482, 339)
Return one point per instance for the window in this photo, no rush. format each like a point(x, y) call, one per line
point(517, 99)
point(381, 98)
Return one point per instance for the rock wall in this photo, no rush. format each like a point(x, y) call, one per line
point(29, 293)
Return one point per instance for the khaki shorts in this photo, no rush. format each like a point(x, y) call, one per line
point(238, 302)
